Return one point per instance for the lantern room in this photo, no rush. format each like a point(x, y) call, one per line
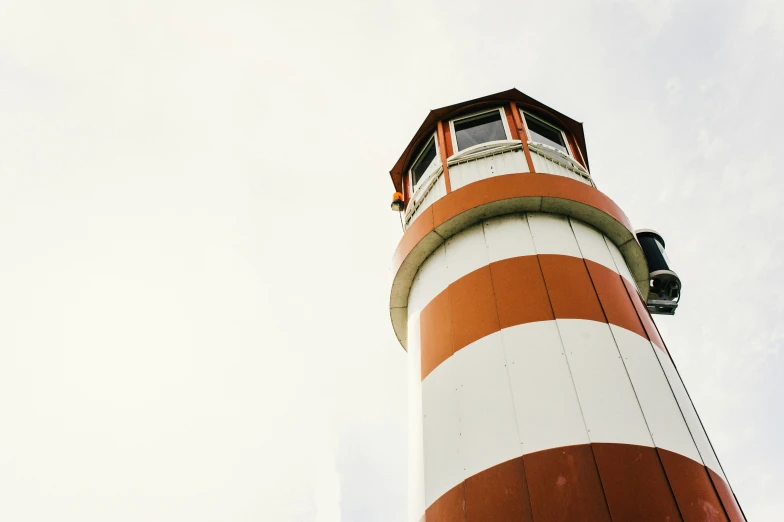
point(504, 133)
point(510, 133)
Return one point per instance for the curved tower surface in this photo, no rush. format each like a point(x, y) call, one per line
point(540, 389)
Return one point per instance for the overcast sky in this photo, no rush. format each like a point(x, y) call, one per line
point(195, 234)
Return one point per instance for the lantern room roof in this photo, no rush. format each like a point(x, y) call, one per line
point(428, 127)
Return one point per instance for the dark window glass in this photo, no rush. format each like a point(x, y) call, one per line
point(654, 252)
point(479, 129)
point(424, 161)
point(542, 132)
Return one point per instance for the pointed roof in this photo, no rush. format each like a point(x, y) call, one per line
point(428, 127)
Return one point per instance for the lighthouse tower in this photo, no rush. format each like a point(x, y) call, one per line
point(540, 389)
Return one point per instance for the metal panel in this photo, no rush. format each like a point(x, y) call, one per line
point(616, 304)
point(634, 483)
point(441, 427)
point(508, 236)
point(564, 485)
point(692, 488)
point(520, 293)
point(472, 305)
point(465, 252)
point(620, 263)
point(571, 291)
point(689, 414)
point(437, 192)
point(545, 402)
point(488, 429)
point(664, 419)
point(552, 234)
point(606, 396)
point(431, 280)
point(592, 245)
point(510, 162)
point(498, 494)
point(545, 166)
point(435, 333)
point(727, 497)
point(450, 507)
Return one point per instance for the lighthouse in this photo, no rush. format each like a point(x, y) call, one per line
point(539, 386)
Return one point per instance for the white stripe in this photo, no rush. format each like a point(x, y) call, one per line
point(690, 414)
point(441, 430)
point(546, 406)
point(553, 235)
point(431, 279)
point(620, 263)
point(505, 237)
point(466, 251)
point(488, 430)
point(518, 391)
point(592, 245)
point(607, 398)
point(658, 404)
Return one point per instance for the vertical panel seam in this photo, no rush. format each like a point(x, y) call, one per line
point(615, 263)
point(683, 415)
point(702, 426)
point(571, 377)
point(598, 472)
point(625, 369)
point(506, 364)
point(672, 391)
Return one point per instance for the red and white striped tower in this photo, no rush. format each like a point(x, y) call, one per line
point(540, 389)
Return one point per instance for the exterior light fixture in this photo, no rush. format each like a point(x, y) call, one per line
point(397, 202)
point(665, 285)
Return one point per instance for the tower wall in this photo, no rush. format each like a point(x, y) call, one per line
point(540, 388)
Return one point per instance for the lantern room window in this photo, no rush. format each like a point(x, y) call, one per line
point(479, 128)
point(424, 162)
point(540, 131)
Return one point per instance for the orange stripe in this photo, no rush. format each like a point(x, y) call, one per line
point(570, 289)
point(524, 185)
point(450, 507)
point(565, 486)
point(499, 493)
point(727, 497)
point(692, 487)
point(499, 188)
point(473, 305)
point(616, 303)
point(435, 331)
point(590, 482)
point(520, 293)
point(523, 290)
point(634, 482)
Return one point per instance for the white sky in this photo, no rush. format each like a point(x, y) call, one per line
point(196, 235)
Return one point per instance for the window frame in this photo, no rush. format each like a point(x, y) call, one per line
point(425, 175)
point(453, 134)
point(570, 153)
